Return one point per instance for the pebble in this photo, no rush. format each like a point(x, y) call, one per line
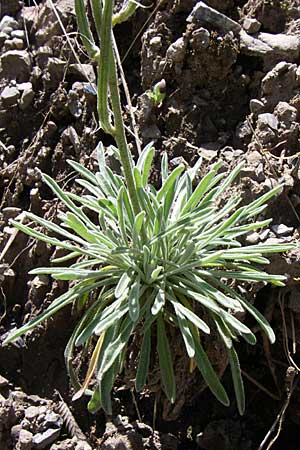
point(256, 106)
point(9, 96)
point(25, 440)
point(16, 65)
point(15, 432)
point(83, 72)
point(269, 120)
point(20, 34)
point(42, 440)
point(156, 42)
point(3, 381)
point(251, 25)
point(202, 37)
point(18, 43)
point(253, 238)
point(8, 21)
point(32, 412)
point(52, 419)
point(282, 230)
point(26, 98)
point(264, 234)
point(176, 51)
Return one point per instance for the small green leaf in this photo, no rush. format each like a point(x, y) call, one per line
point(134, 300)
point(123, 284)
point(159, 302)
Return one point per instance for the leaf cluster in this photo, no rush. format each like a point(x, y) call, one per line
point(169, 265)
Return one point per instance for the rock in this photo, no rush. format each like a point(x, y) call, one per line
point(274, 46)
point(42, 440)
point(251, 25)
point(83, 72)
point(176, 51)
point(256, 106)
point(51, 419)
point(15, 432)
point(286, 113)
point(253, 238)
point(56, 68)
point(16, 65)
point(265, 234)
point(268, 119)
point(9, 96)
point(282, 230)
point(25, 440)
point(19, 34)
point(287, 46)
point(18, 43)
point(83, 445)
point(3, 382)
point(26, 98)
point(200, 38)
point(204, 13)
point(8, 21)
point(32, 412)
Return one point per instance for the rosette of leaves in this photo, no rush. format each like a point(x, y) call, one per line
point(166, 266)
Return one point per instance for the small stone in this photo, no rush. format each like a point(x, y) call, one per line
point(83, 445)
point(15, 432)
point(269, 120)
point(32, 412)
point(155, 42)
point(251, 25)
point(256, 106)
point(7, 30)
point(253, 238)
point(51, 419)
point(8, 21)
point(286, 113)
point(25, 440)
point(20, 34)
point(200, 38)
point(18, 43)
point(26, 98)
point(83, 72)
point(42, 440)
point(9, 96)
point(282, 230)
point(176, 51)
point(3, 382)
point(16, 65)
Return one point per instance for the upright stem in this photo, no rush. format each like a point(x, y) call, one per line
point(108, 79)
point(119, 135)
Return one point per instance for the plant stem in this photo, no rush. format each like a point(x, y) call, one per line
point(119, 136)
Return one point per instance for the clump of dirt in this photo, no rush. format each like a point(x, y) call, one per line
point(232, 79)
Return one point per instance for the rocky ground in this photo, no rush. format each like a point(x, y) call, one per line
point(232, 73)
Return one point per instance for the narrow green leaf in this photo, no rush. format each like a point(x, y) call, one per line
point(159, 302)
point(168, 183)
point(208, 373)
point(165, 361)
point(144, 361)
point(237, 380)
point(134, 300)
point(123, 284)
